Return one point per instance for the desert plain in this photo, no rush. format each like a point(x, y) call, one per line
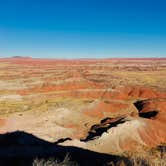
point(109, 106)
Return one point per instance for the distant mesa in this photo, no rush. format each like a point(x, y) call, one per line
point(21, 57)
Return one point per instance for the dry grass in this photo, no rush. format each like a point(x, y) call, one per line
point(153, 157)
point(55, 162)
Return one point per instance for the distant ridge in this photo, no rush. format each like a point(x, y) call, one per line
point(29, 58)
point(22, 57)
point(120, 58)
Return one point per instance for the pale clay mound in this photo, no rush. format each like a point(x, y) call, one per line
point(113, 140)
point(50, 125)
point(43, 126)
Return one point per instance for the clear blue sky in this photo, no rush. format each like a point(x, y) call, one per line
point(83, 28)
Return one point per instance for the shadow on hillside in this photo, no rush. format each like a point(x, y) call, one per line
point(98, 129)
point(140, 105)
point(20, 148)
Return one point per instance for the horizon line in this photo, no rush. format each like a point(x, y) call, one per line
point(93, 58)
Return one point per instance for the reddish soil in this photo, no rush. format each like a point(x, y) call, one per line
point(101, 108)
point(98, 89)
point(2, 122)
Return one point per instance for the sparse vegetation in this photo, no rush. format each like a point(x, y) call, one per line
point(55, 162)
point(153, 157)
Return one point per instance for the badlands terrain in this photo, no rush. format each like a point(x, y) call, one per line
point(104, 106)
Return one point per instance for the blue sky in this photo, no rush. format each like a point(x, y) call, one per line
point(83, 28)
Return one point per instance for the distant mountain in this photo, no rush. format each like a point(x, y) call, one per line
point(24, 57)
